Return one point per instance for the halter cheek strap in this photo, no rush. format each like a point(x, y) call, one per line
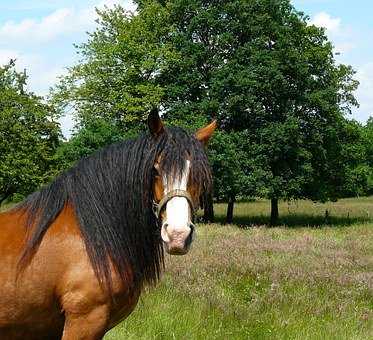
point(158, 207)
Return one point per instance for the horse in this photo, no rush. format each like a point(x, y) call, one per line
point(76, 255)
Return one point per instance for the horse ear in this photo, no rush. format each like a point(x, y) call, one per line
point(204, 134)
point(155, 124)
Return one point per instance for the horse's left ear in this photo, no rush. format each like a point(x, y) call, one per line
point(204, 134)
point(155, 124)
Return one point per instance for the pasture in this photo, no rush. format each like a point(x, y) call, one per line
point(309, 278)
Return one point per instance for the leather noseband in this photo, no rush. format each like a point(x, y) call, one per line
point(158, 207)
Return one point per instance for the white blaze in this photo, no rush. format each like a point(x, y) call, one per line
point(177, 212)
point(177, 208)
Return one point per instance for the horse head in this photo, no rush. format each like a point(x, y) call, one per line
point(182, 177)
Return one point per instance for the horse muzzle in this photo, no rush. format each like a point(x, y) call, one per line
point(177, 241)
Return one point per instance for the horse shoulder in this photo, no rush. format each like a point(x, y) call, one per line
point(78, 288)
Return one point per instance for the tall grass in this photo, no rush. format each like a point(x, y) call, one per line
point(267, 283)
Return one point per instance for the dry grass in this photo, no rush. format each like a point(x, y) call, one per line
point(266, 283)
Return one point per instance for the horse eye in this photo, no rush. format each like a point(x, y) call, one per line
point(156, 172)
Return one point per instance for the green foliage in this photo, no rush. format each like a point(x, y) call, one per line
point(355, 162)
point(265, 72)
point(229, 164)
point(116, 78)
point(268, 76)
point(368, 141)
point(85, 141)
point(29, 135)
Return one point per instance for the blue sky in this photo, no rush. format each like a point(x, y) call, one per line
point(349, 26)
point(41, 34)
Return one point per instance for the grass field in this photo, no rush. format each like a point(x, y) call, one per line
point(310, 278)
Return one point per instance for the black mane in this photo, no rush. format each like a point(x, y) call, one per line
point(111, 194)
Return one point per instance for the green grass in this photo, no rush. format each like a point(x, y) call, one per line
point(311, 278)
point(302, 213)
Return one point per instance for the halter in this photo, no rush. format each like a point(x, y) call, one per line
point(158, 207)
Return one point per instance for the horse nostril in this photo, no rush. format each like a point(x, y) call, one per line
point(190, 237)
point(192, 227)
point(164, 234)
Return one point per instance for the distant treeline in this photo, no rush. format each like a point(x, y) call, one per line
point(258, 67)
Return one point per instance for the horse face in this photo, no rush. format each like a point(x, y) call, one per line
point(177, 193)
point(177, 229)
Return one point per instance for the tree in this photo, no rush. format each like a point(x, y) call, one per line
point(116, 78)
point(94, 135)
point(230, 165)
point(354, 156)
point(258, 66)
point(29, 135)
point(271, 75)
point(367, 142)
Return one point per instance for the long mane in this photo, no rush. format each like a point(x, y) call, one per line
point(111, 194)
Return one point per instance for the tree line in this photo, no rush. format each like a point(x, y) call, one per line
point(258, 67)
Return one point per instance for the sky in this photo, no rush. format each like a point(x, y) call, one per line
point(349, 26)
point(41, 35)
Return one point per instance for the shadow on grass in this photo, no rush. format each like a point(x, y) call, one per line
point(296, 221)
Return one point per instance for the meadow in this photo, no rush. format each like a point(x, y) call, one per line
point(309, 278)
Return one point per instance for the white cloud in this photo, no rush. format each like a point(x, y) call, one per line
point(345, 40)
point(325, 20)
point(63, 21)
point(341, 35)
point(60, 22)
point(41, 72)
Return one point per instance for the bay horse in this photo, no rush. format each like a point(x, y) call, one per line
point(75, 255)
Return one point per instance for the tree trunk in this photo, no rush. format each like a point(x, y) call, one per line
point(229, 219)
point(274, 211)
point(208, 210)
